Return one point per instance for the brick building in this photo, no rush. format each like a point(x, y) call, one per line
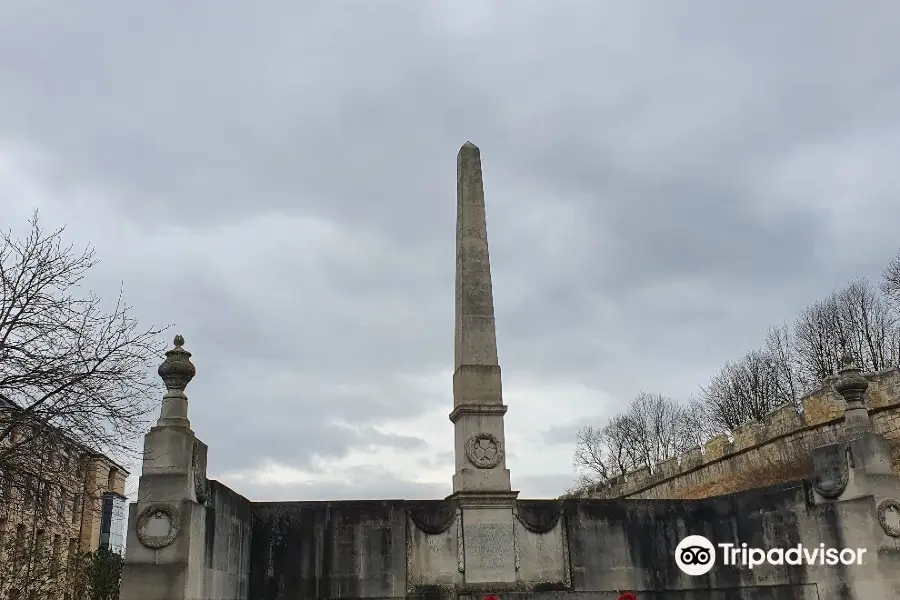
point(57, 499)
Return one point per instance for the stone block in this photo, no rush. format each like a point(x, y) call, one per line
point(823, 406)
point(666, 469)
point(691, 459)
point(715, 447)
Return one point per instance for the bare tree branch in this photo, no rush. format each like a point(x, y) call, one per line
point(890, 281)
point(654, 428)
point(67, 361)
point(74, 388)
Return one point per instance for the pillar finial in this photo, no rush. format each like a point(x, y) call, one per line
point(852, 385)
point(177, 370)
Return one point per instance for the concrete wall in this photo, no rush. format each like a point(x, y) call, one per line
point(328, 550)
point(226, 548)
point(785, 436)
point(630, 544)
point(313, 550)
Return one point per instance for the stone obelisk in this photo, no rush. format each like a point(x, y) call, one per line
point(478, 407)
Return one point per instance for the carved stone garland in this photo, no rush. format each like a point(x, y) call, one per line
point(201, 483)
point(484, 451)
point(883, 507)
point(460, 543)
point(158, 511)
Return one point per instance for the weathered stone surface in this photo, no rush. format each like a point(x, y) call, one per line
point(307, 550)
point(476, 337)
point(477, 389)
point(489, 545)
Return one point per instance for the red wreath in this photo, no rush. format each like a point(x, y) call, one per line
point(628, 596)
point(492, 597)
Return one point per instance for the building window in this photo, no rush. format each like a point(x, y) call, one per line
point(76, 504)
point(29, 491)
point(40, 546)
point(112, 524)
point(44, 495)
point(61, 503)
point(57, 552)
point(73, 553)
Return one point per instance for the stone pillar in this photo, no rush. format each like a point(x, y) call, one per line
point(481, 484)
point(478, 407)
point(166, 525)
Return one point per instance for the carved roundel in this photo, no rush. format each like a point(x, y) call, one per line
point(889, 516)
point(484, 451)
point(158, 525)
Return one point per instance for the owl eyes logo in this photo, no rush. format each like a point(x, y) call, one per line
point(695, 555)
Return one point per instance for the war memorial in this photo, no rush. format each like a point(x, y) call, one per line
point(191, 538)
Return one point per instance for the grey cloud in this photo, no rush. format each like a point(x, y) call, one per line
point(564, 434)
point(443, 460)
point(643, 221)
point(364, 484)
point(545, 486)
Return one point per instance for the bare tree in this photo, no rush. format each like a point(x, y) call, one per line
point(742, 391)
point(657, 426)
point(70, 366)
point(74, 384)
point(890, 280)
point(855, 320)
point(653, 428)
point(782, 356)
point(593, 459)
point(695, 423)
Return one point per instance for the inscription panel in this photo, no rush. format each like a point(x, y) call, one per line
point(489, 544)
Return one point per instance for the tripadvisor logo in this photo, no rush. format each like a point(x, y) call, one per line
point(695, 555)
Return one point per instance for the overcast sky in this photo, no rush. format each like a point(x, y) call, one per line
point(663, 181)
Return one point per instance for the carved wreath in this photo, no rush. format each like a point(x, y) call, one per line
point(883, 507)
point(158, 511)
point(484, 451)
point(836, 488)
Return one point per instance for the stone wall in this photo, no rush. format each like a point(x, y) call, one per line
point(785, 436)
point(629, 545)
point(369, 549)
point(328, 550)
point(226, 550)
